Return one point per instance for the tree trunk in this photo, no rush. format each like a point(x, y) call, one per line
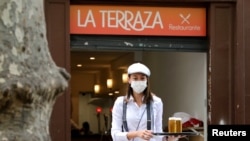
point(30, 81)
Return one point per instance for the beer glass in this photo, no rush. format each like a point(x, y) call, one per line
point(174, 125)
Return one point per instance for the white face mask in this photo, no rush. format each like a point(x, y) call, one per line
point(139, 86)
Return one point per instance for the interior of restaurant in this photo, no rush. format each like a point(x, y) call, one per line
point(98, 77)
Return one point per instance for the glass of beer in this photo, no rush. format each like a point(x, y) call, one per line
point(174, 125)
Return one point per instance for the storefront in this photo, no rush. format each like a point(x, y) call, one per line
point(222, 36)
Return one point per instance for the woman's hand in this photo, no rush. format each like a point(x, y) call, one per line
point(145, 134)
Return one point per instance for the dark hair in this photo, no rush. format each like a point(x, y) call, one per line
point(148, 95)
point(85, 125)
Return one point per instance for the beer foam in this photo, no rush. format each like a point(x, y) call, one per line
point(174, 118)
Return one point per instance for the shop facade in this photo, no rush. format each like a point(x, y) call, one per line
point(228, 52)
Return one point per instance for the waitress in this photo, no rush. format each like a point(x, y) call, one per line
point(137, 114)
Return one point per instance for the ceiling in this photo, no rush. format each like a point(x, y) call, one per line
point(103, 60)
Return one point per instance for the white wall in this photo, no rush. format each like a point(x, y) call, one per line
point(179, 78)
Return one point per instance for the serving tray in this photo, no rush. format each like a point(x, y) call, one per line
point(177, 134)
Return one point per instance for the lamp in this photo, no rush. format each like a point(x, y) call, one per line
point(124, 77)
point(109, 83)
point(97, 88)
point(98, 109)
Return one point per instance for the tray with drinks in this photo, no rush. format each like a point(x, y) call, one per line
point(175, 128)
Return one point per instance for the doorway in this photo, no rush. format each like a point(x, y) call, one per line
point(179, 78)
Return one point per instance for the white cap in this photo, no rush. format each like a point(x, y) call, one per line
point(138, 68)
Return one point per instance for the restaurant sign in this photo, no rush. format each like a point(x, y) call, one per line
point(133, 20)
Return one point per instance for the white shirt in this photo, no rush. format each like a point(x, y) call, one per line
point(133, 116)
